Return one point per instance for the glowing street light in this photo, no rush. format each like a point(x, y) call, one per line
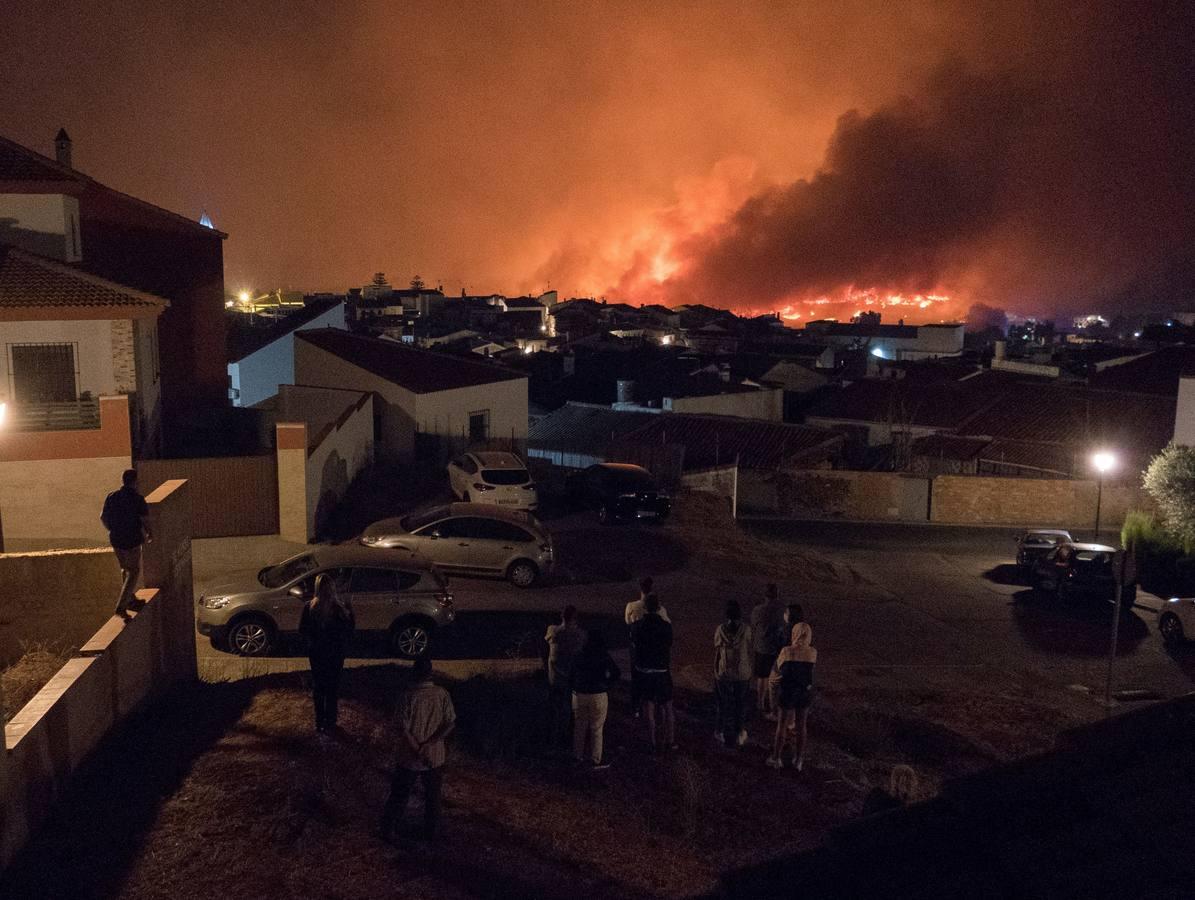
point(1103, 461)
point(244, 296)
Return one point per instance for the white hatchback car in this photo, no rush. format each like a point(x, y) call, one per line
point(1176, 620)
point(494, 477)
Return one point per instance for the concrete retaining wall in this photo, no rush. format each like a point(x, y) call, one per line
point(948, 499)
point(59, 597)
point(122, 667)
point(853, 495)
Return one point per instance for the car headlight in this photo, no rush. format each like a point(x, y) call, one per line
point(215, 602)
point(370, 541)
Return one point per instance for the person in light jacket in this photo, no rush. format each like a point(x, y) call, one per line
point(732, 675)
point(793, 678)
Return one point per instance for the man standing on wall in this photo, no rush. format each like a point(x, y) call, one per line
point(126, 516)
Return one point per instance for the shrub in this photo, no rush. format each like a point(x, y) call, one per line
point(1163, 563)
point(1170, 481)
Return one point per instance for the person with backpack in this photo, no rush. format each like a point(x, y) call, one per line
point(326, 622)
point(732, 675)
point(768, 636)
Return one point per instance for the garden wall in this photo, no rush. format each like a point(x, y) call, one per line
point(120, 668)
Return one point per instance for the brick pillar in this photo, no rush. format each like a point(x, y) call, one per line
point(294, 521)
point(166, 565)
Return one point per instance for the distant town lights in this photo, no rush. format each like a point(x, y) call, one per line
point(228, 304)
point(1103, 461)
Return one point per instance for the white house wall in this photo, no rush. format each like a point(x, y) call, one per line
point(93, 350)
point(395, 406)
point(447, 412)
point(767, 404)
point(335, 462)
point(257, 376)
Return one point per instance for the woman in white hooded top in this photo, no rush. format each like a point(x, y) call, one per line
point(793, 680)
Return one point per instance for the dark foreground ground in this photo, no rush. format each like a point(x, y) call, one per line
point(224, 790)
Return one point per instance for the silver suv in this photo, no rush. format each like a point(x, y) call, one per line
point(471, 538)
point(396, 593)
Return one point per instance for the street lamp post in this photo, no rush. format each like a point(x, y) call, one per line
point(1103, 462)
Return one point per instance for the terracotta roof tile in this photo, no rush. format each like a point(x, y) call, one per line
point(31, 284)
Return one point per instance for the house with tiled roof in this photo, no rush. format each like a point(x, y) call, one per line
point(426, 403)
point(51, 209)
point(79, 396)
point(68, 338)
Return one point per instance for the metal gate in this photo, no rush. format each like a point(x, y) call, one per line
point(231, 496)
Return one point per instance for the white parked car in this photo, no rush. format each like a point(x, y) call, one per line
point(494, 477)
point(1176, 620)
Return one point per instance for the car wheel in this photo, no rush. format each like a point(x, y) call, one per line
point(251, 636)
point(410, 638)
point(522, 573)
point(1172, 630)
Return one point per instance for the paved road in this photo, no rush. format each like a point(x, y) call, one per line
point(942, 601)
point(959, 582)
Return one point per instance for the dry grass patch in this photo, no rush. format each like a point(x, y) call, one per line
point(39, 662)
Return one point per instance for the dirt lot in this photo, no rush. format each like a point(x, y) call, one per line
point(227, 791)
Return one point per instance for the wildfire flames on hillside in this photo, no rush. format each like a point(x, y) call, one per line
point(1058, 185)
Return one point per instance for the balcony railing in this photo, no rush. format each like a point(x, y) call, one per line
point(78, 415)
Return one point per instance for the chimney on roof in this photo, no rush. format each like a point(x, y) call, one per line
point(62, 148)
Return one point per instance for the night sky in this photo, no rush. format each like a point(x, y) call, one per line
point(756, 158)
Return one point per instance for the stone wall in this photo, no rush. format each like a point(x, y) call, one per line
point(967, 499)
point(872, 496)
point(124, 361)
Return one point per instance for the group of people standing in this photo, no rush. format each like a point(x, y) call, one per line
point(774, 649)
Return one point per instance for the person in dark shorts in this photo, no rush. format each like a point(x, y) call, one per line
point(767, 638)
point(793, 680)
point(651, 637)
point(126, 516)
point(326, 623)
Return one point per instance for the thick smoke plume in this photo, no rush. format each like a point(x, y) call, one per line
point(1060, 178)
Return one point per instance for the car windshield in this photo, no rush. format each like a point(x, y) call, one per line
point(630, 480)
point(1044, 540)
point(505, 476)
point(415, 521)
point(284, 572)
